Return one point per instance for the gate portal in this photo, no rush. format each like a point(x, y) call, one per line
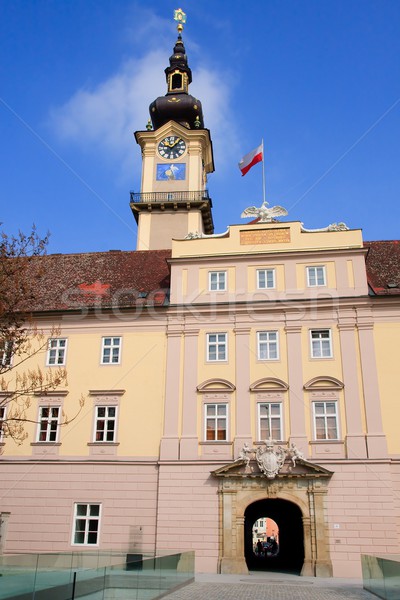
point(295, 497)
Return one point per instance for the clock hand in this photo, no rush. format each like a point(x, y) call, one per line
point(174, 144)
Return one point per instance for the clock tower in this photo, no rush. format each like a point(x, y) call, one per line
point(177, 156)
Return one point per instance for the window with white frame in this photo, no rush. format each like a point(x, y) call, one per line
point(111, 351)
point(56, 351)
point(217, 346)
point(316, 276)
point(268, 345)
point(3, 411)
point(86, 524)
point(321, 343)
point(217, 281)
point(270, 421)
point(265, 279)
point(49, 417)
point(326, 426)
point(105, 423)
point(6, 348)
point(216, 422)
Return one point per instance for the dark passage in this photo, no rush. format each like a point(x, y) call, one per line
point(288, 518)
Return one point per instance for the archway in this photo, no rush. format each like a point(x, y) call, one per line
point(288, 518)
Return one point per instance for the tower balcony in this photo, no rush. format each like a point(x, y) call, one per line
point(174, 201)
point(184, 196)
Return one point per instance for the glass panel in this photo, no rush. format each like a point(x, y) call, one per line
point(81, 510)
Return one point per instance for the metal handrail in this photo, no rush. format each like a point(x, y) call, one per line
point(186, 196)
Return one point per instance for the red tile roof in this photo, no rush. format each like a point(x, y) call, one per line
point(106, 279)
point(142, 278)
point(383, 266)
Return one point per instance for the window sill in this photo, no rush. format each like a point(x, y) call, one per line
point(212, 442)
point(103, 443)
point(45, 443)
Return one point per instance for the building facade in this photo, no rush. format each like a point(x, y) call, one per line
point(227, 378)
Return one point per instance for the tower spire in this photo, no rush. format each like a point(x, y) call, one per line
point(177, 105)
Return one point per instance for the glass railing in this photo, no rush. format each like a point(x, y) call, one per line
point(93, 576)
point(381, 575)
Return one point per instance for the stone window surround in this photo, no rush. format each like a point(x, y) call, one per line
point(104, 398)
point(51, 399)
point(326, 389)
point(270, 390)
point(216, 391)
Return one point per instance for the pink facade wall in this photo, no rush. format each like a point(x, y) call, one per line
point(362, 504)
point(40, 498)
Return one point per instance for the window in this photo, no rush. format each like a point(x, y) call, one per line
point(321, 343)
point(48, 423)
point(86, 524)
point(269, 421)
point(267, 342)
point(217, 346)
point(2, 418)
point(6, 348)
point(265, 279)
point(111, 351)
point(105, 424)
point(56, 352)
point(316, 276)
point(326, 421)
point(216, 417)
point(217, 281)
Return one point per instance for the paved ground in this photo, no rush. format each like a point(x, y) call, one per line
point(270, 586)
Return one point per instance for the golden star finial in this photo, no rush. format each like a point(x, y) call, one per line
point(180, 17)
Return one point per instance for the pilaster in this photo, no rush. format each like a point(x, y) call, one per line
point(376, 439)
point(243, 422)
point(169, 447)
point(297, 433)
point(189, 441)
point(355, 438)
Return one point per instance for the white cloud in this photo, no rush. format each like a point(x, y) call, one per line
point(104, 117)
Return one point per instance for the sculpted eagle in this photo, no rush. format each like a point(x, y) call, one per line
point(265, 214)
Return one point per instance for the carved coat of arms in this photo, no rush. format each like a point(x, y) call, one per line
point(270, 461)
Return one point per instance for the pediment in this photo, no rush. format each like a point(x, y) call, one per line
point(302, 469)
point(215, 385)
point(269, 384)
point(170, 128)
point(324, 382)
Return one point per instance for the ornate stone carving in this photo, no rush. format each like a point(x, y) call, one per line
point(332, 227)
point(269, 461)
point(265, 214)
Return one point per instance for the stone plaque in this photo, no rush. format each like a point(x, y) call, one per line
point(266, 236)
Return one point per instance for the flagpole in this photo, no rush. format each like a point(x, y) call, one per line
point(263, 171)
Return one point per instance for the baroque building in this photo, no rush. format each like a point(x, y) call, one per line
point(229, 378)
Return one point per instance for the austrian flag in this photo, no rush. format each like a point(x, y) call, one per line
point(251, 159)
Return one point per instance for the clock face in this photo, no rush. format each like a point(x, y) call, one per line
point(171, 147)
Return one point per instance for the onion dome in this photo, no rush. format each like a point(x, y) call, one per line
point(177, 105)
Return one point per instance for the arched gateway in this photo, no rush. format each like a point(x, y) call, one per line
point(283, 486)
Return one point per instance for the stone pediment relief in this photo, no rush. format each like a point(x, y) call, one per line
point(324, 382)
point(215, 385)
point(267, 463)
point(269, 384)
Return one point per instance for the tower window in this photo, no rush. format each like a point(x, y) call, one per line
point(176, 81)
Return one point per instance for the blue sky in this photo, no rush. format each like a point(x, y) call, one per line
point(319, 80)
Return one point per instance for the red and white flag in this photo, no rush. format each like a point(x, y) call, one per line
point(251, 159)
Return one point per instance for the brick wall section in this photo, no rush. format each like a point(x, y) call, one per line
point(188, 512)
point(362, 502)
point(41, 497)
